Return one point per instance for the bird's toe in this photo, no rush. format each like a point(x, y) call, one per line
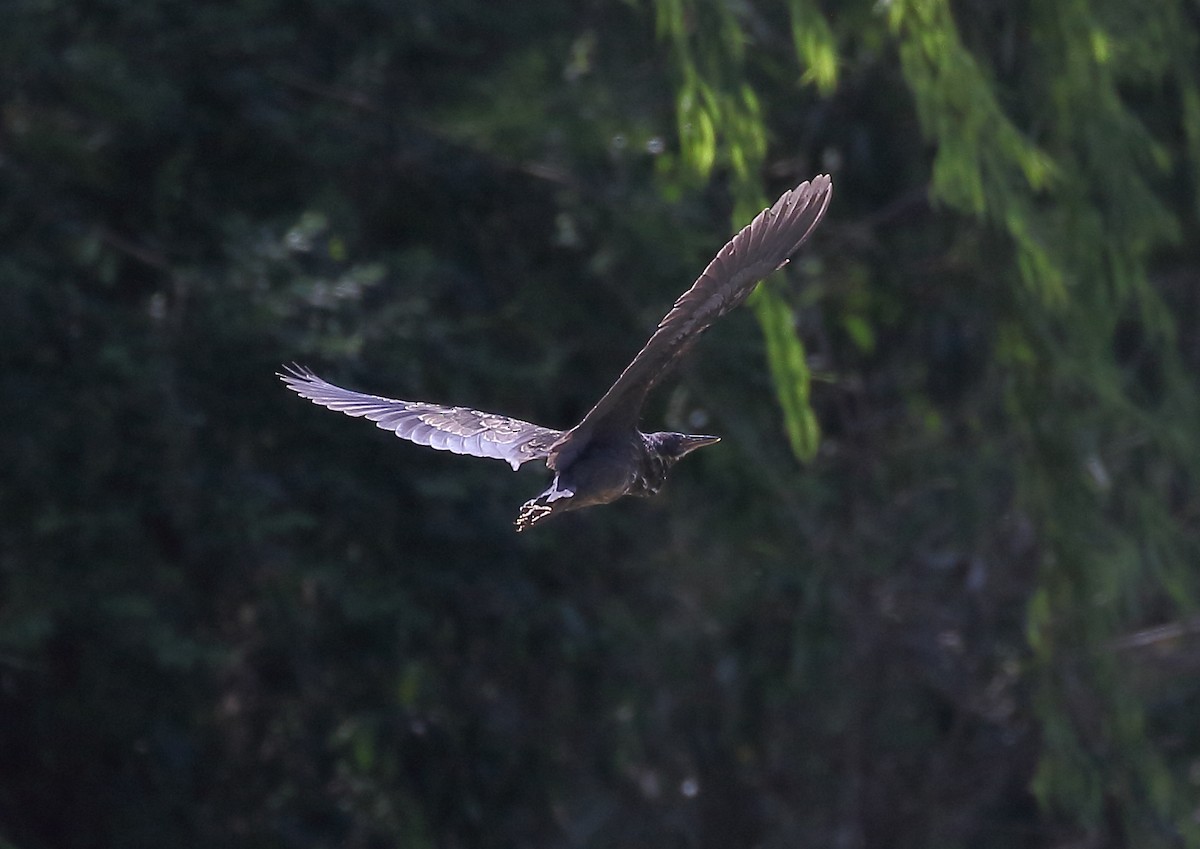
point(531, 513)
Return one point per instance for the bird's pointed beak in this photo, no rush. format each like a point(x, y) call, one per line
point(690, 443)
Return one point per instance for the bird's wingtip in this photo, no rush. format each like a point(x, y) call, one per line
point(294, 371)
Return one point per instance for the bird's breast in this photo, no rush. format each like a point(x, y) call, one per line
point(603, 472)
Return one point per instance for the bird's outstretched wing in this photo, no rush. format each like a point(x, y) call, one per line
point(761, 247)
point(458, 429)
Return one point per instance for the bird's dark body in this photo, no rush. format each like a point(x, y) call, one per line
point(602, 473)
point(605, 456)
point(605, 471)
point(608, 469)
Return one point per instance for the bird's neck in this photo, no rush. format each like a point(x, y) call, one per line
point(651, 472)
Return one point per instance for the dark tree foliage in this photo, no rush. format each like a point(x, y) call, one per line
point(936, 587)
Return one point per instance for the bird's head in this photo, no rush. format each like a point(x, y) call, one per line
point(675, 446)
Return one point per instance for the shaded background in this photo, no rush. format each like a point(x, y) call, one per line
point(936, 587)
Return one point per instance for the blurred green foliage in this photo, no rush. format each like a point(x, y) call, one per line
point(967, 618)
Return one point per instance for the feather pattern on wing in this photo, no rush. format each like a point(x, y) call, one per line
point(457, 429)
point(762, 246)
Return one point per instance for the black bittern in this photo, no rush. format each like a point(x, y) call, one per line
point(605, 456)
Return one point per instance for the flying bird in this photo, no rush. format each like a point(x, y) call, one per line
point(605, 456)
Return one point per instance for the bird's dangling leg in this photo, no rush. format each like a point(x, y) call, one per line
point(542, 507)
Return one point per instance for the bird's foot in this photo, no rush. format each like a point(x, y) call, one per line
point(531, 513)
point(555, 499)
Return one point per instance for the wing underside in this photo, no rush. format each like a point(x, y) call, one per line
point(461, 430)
